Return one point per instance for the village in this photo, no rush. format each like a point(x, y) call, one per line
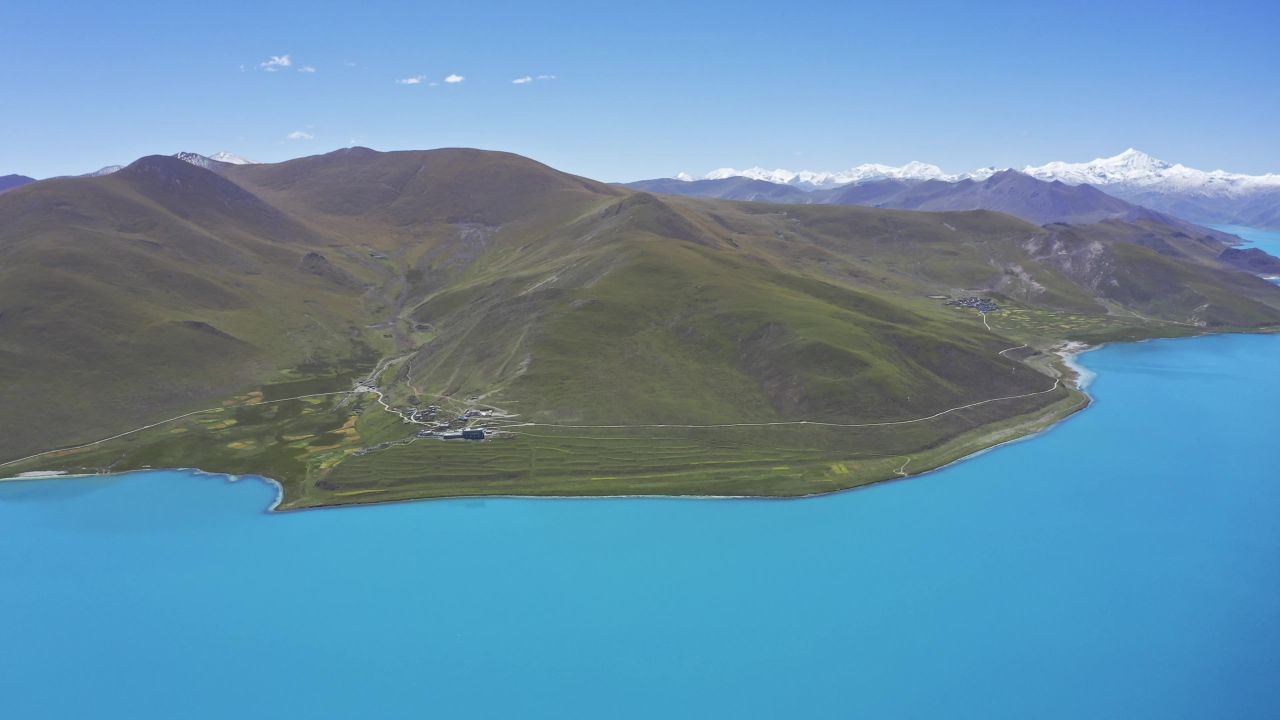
point(457, 428)
point(982, 305)
point(439, 423)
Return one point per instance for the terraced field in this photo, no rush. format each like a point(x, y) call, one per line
point(1037, 325)
point(774, 462)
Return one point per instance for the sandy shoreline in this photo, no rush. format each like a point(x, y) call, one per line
point(1071, 352)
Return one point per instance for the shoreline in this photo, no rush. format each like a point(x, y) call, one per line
point(35, 475)
point(1068, 351)
point(274, 506)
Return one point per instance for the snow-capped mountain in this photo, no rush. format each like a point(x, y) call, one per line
point(1137, 169)
point(822, 180)
point(1213, 196)
point(1203, 196)
point(196, 159)
point(1008, 191)
point(206, 161)
point(231, 158)
point(1131, 167)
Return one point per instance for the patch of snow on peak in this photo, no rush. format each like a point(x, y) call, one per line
point(195, 159)
point(231, 158)
point(684, 177)
point(207, 161)
point(983, 173)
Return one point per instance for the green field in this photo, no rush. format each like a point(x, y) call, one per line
point(323, 453)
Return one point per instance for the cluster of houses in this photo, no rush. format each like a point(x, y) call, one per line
point(455, 429)
point(445, 428)
point(983, 305)
point(467, 433)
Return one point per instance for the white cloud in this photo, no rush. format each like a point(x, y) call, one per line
point(522, 80)
point(300, 135)
point(546, 77)
point(306, 69)
point(415, 80)
point(275, 62)
point(454, 79)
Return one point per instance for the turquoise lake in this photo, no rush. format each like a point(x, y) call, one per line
point(1125, 564)
point(1265, 240)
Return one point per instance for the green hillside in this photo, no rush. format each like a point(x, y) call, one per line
point(618, 342)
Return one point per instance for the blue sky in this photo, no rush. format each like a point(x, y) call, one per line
point(645, 89)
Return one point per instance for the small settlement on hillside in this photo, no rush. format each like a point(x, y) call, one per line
point(982, 305)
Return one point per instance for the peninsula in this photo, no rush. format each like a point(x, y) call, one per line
point(364, 327)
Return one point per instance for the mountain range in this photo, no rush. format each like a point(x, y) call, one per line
point(469, 278)
point(1199, 196)
point(1006, 191)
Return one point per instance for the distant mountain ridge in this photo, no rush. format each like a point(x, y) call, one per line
point(1137, 169)
point(207, 162)
point(1215, 196)
point(1007, 191)
point(1131, 167)
point(868, 172)
point(9, 182)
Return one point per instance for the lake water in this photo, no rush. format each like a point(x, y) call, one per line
point(1265, 240)
point(1125, 564)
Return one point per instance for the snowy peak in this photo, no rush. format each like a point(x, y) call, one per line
point(195, 159)
point(1137, 159)
point(984, 173)
point(207, 161)
point(1135, 169)
point(231, 158)
point(1132, 169)
point(1129, 166)
point(813, 180)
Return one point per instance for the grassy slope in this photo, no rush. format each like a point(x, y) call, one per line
point(118, 310)
point(563, 300)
